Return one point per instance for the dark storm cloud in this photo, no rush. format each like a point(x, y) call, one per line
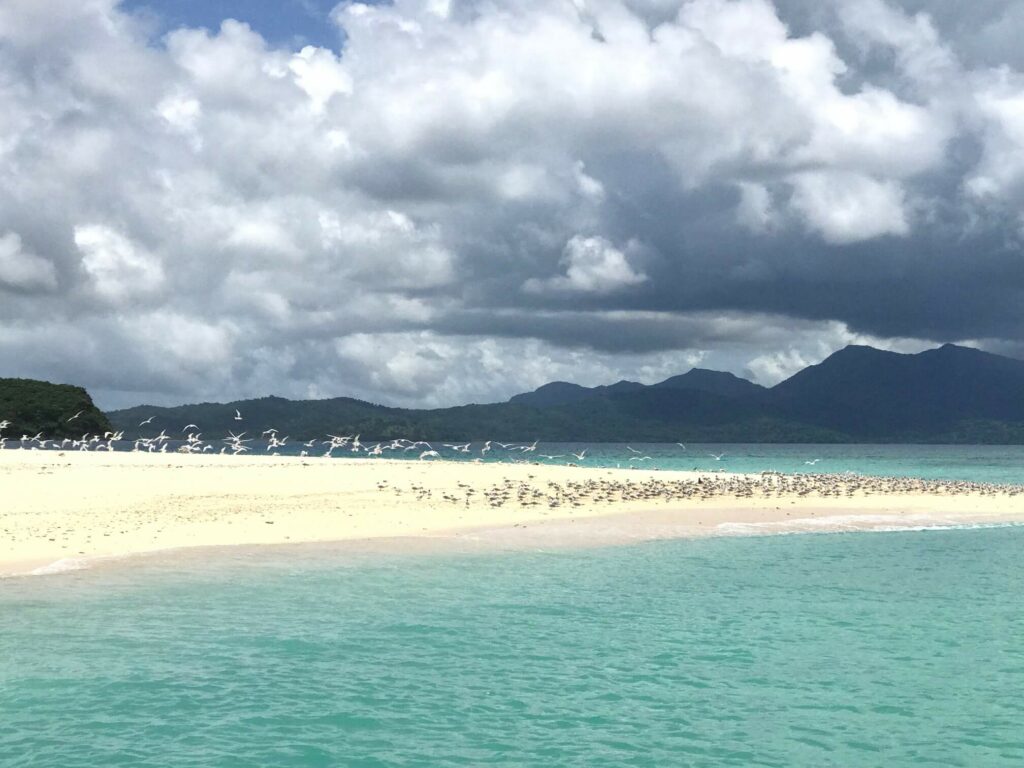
point(590, 190)
point(983, 32)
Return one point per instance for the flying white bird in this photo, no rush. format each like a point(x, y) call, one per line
point(631, 448)
point(717, 457)
point(75, 416)
point(238, 415)
point(147, 421)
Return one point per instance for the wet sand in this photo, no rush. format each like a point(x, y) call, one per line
point(61, 508)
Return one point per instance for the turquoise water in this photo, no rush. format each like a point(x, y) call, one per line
point(895, 649)
point(978, 463)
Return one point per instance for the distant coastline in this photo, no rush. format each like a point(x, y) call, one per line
point(949, 395)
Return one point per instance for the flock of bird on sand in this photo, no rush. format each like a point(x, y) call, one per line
point(192, 442)
point(765, 484)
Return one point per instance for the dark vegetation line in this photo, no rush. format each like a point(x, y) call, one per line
point(859, 394)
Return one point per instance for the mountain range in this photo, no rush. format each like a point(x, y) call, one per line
point(699, 379)
point(951, 394)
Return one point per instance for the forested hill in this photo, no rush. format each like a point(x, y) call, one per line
point(39, 406)
point(859, 394)
point(651, 415)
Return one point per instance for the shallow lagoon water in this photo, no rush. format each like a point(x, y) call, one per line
point(976, 463)
point(859, 649)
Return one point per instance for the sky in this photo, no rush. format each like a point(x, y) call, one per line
point(283, 23)
point(433, 202)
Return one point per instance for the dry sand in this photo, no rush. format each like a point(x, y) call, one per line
point(66, 507)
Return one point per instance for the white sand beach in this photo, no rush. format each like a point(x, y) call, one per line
point(73, 506)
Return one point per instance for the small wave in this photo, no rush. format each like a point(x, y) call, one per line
point(63, 565)
point(854, 523)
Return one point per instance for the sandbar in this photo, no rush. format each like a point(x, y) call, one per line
point(79, 506)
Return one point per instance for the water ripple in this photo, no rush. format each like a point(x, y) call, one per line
point(851, 650)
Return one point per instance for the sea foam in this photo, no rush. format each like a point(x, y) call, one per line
point(853, 523)
point(63, 565)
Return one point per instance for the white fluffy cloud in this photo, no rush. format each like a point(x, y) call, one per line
point(320, 74)
point(20, 269)
point(592, 265)
point(846, 208)
point(445, 191)
point(118, 269)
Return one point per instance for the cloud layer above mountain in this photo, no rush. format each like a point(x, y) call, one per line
point(466, 198)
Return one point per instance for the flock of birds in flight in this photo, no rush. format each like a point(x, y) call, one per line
point(239, 444)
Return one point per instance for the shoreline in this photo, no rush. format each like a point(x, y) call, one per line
point(469, 544)
point(67, 509)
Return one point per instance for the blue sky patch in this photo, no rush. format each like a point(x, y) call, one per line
point(282, 22)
